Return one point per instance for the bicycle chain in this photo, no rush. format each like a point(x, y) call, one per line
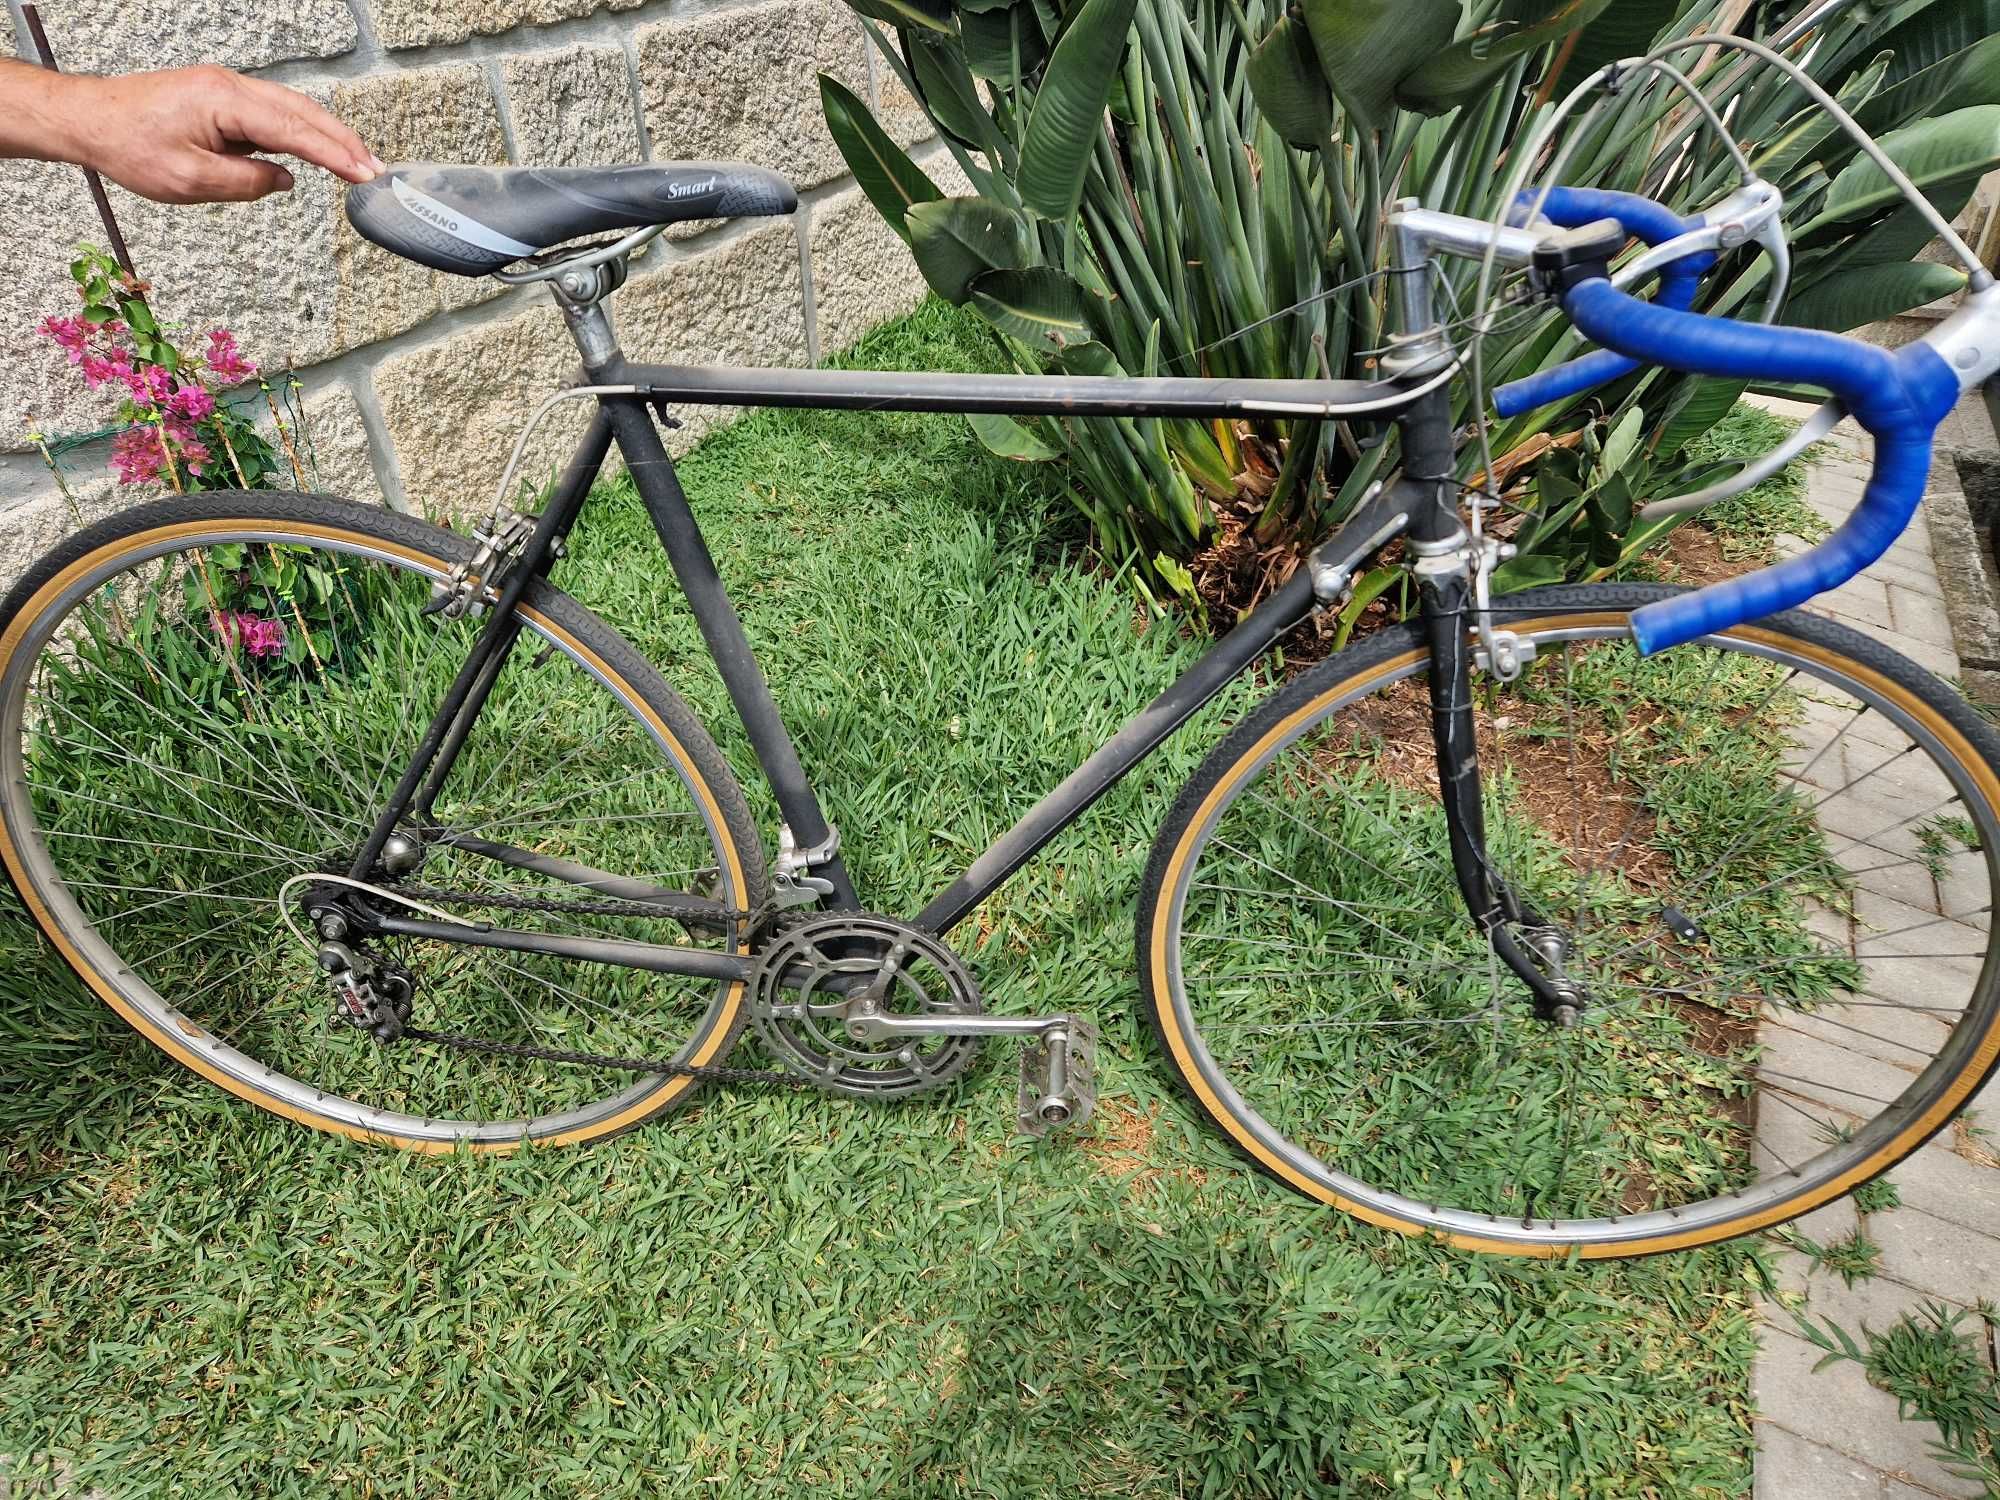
point(459, 1042)
point(706, 913)
point(712, 1073)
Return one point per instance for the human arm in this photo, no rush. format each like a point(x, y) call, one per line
point(184, 135)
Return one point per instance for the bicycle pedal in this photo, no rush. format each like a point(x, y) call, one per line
point(1058, 1079)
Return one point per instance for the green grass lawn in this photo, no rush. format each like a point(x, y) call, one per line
point(774, 1293)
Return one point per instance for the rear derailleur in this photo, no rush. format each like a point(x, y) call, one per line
point(370, 993)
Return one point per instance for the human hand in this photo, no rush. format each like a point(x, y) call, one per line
point(186, 135)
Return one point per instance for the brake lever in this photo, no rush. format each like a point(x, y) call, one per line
point(1753, 212)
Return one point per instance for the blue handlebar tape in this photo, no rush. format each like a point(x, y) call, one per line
point(1652, 222)
point(1899, 398)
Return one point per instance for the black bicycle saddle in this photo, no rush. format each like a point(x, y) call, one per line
point(471, 220)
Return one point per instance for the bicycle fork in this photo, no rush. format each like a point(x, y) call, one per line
point(1444, 557)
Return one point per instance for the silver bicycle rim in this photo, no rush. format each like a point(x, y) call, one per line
point(159, 1013)
point(1769, 1192)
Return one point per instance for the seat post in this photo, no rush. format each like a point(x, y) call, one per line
point(580, 294)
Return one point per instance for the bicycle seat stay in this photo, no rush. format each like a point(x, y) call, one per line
point(472, 220)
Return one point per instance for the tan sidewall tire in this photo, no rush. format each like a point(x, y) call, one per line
point(321, 519)
point(1964, 735)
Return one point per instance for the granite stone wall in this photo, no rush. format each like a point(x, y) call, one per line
point(417, 382)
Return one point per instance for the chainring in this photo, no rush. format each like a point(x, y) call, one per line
point(814, 967)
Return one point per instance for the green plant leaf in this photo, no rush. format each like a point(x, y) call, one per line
point(1089, 358)
point(1289, 87)
point(949, 92)
point(1453, 75)
point(1962, 146)
point(893, 183)
point(1040, 306)
point(1367, 47)
point(990, 38)
point(1069, 107)
point(1622, 28)
point(1868, 294)
point(1621, 443)
point(957, 239)
point(1704, 401)
point(1934, 33)
point(1963, 79)
point(1367, 589)
point(1006, 438)
point(924, 15)
point(1897, 238)
point(1176, 577)
point(1528, 573)
point(1812, 127)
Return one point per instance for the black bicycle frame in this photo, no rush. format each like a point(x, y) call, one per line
point(1422, 504)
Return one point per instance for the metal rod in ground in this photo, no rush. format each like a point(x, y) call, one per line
point(33, 16)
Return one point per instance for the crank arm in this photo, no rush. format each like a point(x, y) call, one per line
point(1058, 1063)
point(875, 1025)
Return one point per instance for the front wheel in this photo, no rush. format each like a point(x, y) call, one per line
point(1763, 863)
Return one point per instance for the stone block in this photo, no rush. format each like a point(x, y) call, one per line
point(454, 408)
point(333, 447)
point(1885, 1031)
point(572, 108)
point(1821, 1076)
point(430, 114)
point(32, 526)
point(1862, 601)
point(1788, 1467)
point(48, 212)
point(1939, 1182)
point(1920, 614)
point(106, 36)
point(741, 84)
point(1873, 1303)
point(1962, 582)
point(1837, 1408)
point(896, 108)
point(1934, 1255)
point(428, 23)
point(863, 273)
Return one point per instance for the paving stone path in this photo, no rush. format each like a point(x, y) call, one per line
point(1830, 1435)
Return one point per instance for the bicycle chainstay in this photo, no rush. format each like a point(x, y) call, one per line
point(460, 1042)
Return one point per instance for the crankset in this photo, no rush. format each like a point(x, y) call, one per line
point(874, 1008)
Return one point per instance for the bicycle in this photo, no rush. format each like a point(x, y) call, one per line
point(239, 719)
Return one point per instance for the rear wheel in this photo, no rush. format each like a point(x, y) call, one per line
point(204, 700)
point(1764, 862)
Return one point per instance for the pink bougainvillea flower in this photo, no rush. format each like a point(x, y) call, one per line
point(135, 454)
point(191, 403)
point(150, 385)
point(100, 369)
point(224, 360)
point(258, 636)
point(70, 334)
point(196, 455)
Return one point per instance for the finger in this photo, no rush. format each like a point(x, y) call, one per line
point(274, 118)
point(238, 179)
